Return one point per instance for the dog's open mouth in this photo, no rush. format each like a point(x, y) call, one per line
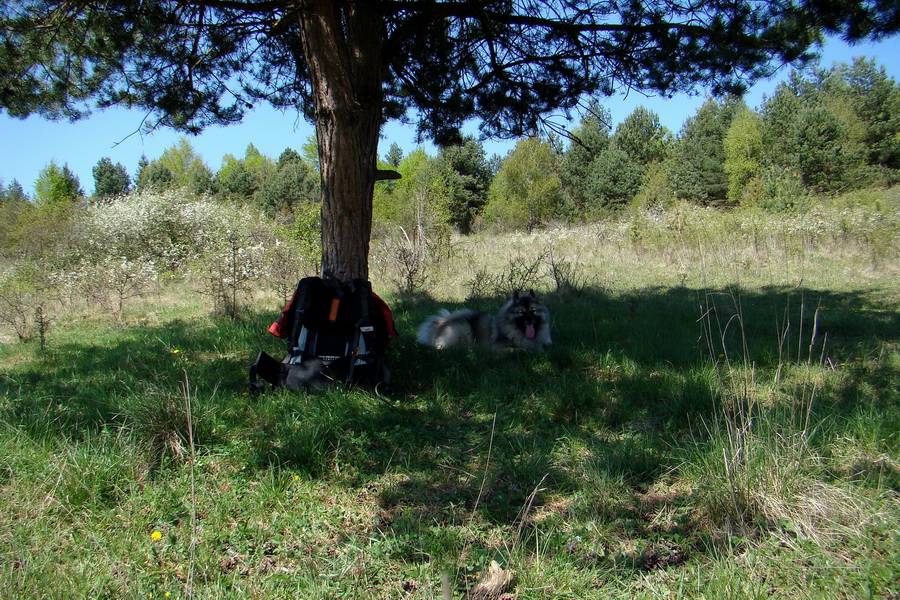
point(529, 330)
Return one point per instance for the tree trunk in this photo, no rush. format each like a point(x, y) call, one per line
point(342, 45)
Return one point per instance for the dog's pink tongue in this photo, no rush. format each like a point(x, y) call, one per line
point(529, 331)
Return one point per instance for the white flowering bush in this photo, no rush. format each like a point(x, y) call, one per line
point(109, 253)
point(112, 280)
point(124, 245)
point(233, 258)
point(166, 229)
point(134, 241)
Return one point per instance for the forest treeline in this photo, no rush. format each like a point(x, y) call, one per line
point(822, 131)
point(254, 224)
point(255, 221)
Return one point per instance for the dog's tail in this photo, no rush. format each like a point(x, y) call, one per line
point(429, 328)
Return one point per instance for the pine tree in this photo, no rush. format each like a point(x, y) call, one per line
point(588, 142)
point(13, 193)
point(394, 155)
point(110, 179)
point(467, 173)
point(697, 165)
point(293, 182)
point(642, 137)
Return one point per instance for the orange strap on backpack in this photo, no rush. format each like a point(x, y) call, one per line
point(332, 314)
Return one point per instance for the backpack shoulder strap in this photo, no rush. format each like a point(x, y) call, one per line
point(306, 289)
point(363, 289)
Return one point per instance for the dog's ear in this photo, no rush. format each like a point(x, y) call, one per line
point(531, 293)
point(515, 296)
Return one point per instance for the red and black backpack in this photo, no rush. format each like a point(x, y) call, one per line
point(335, 332)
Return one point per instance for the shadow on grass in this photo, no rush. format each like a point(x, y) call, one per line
point(82, 383)
point(627, 378)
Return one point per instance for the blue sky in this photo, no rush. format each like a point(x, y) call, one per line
point(29, 145)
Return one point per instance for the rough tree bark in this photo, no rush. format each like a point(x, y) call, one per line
point(342, 46)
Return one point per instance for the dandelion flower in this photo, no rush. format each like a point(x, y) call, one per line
point(175, 351)
point(156, 535)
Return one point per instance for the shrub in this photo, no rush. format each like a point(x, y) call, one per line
point(16, 299)
point(232, 258)
point(164, 229)
point(655, 190)
point(29, 295)
point(783, 190)
point(294, 248)
point(129, 243)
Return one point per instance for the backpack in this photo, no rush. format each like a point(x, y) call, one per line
point(336, 333)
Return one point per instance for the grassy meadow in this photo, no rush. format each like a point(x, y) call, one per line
point(718, 417)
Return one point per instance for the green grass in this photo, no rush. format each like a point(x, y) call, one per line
point(718, 417)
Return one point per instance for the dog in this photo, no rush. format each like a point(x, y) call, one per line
point(523, 322)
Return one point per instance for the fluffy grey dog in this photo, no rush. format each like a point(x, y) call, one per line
point(523, 322)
